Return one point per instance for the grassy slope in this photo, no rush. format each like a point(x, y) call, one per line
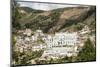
point(59, 19)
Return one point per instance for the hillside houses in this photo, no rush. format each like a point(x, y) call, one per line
point(58, 44)
point(62, 39)
point(85, 30)
point(62, 44)
point(27, 41)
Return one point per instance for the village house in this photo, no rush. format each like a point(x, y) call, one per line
point(85, 30)
point(28, 32)
point(38, 47)
point(62, 44)
point(61, 39)
point(58, 44)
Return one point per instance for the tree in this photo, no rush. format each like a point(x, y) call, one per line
point(88, 53)
point(15, 15)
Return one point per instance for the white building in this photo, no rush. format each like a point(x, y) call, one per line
point(60, 51)
point(61, 44)
point(62, 39)
point(39, 33)
point(38, 47)
point(27, 39)
point(58, 44)
point(85, 30)
point(28, 32)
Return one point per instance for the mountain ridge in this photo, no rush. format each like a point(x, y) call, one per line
point(57, 19)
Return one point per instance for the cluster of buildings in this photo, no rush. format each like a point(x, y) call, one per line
point(61, 39)
point(58, 44)
point(27, 40)
point(62, 44)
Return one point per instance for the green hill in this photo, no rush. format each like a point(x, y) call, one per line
point(57, 20)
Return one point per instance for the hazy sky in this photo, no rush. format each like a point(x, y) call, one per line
point(43, 6)
point(84, 2)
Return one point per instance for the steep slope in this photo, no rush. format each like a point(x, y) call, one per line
point(61, 19)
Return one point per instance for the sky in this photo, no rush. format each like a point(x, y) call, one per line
point(43, 6)
point(84, 2)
